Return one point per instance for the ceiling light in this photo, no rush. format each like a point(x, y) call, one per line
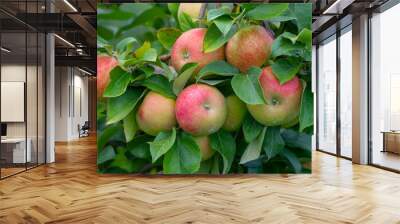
point(64, 40)
point(84, 71)
point(5, 49)
point(70, 5)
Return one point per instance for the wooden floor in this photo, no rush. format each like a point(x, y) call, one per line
point(70, 191)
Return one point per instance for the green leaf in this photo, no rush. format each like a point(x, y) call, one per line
point(253, 150)
point(223, 142)
point(173, 8)
point(294, 139)
point(125, 46)
point(140, 52)
point(168, 36)
point(303, 14)
point(215, 39)
point(162, 143)
point(215, 165)
point(139, 147)
point(106, 135)
point(292, 159)
point(285, 69)
point(120, 80)
point(130, 126)
point(185, 22)
point(184, 157)
point(217, 12)
point(159, 84)
point(150, 55)
point(105, 155)
point(224, 24)
point(306, 118)
point(122, 162)
point(283, 45)
point(267, 11)
point(247, 87)
point(251, 128)
point(186, 74)
point(119, 107)
point(221, 68)
point(168, 72)
point(273, 142)
point(213, 82)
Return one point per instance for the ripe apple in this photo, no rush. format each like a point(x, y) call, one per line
point(250, 46)
point(156, 114)
point(189, 48)
point(104, 66)
point(283, 101)
point(236, 113)
point(192, 9)
point(205, 149)
point(200, 109)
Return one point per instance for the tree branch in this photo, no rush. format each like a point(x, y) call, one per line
point(165, 57)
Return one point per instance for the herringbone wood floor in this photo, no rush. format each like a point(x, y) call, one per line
point(70, 191)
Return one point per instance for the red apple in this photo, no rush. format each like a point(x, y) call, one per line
point(236, 113)
point(200, 109)
point(156, 114)
point(205, 149)
point(188, 48)
point(283, 101)
point(104, 66)
point(250, 46)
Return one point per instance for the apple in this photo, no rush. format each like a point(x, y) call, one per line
point(188, 48)
point(192, 9)
point(104, 66)
point(156, 114)
point(283, 101)
point(205, 149)
point(236, 113)
point(250, 46)
point(200, 109)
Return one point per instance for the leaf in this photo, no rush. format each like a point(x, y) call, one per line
point(122, 162)
point(267, 11)
point(130, 126)
point(285, 69)
point(168, 36)
point(284, 46)
point(173, 8)
point(120, 80)
point(221, 68)
point(106, 135)
point(161, 144)
point(215, 39)
point(292, 159)
point(159, 84)
point(125, 46)
point(251, 128)
point(105, 155)
point(186, 74)
point(150, 55)
point(294, 139)
point(139, 147)
point(140, 52)
point(168, 72)
point(213, 82)
point(184, 157)
point(253, 150)
point(306, 117)
point(247, 87)
point(224, 24)
point(273, 142)
point(185, 21)
point(119, 107)
point(303, 14)
point(215, 165)
point(225, 145)
point(217, 12)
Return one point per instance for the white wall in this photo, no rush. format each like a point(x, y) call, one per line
point(70, 83)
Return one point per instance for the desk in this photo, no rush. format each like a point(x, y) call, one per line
point(18, 150)
point(391, 141)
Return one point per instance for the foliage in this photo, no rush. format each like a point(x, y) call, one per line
point(139, 35)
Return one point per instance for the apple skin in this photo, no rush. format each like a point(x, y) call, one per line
point(236, 113)
point(205, 149)
point(200, 109)
point(192, 9)
point(188, 48)
point(250, 46)
point(104, 66)
point(283, 101)
point(156, 114)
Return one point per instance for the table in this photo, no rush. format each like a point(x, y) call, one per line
point(391, 141)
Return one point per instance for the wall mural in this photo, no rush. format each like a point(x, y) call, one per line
point(196, 88)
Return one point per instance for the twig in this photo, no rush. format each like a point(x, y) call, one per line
point(202, 14)
point(165, 57)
